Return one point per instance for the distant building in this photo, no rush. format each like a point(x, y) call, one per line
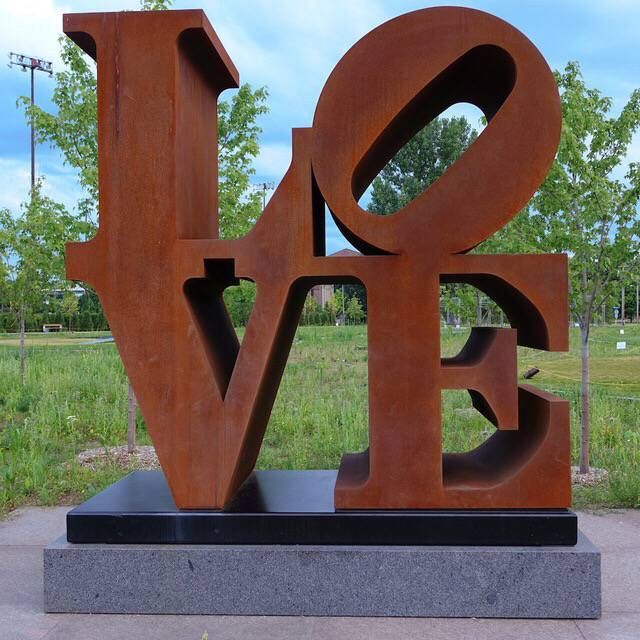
point(324, 292)
point(345, 253)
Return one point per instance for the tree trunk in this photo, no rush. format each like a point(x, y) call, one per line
point(131, 420)
point(22, 314)
point(479, 310)
point(584, 397)
point(623, 309)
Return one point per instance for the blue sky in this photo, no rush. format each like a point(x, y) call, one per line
point(290, 47)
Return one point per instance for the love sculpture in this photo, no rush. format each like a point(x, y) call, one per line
point(160, 269)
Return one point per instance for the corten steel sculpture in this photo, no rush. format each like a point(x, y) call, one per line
point(160, 269)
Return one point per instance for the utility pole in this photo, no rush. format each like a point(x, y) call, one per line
point(33, 65)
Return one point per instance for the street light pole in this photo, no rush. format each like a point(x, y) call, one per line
point(264, 187)
point(33, 64)
point(33, 134)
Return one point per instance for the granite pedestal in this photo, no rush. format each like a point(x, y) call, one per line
point(320, 580)
point(282, 549)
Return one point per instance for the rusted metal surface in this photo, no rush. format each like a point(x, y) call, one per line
point(160, 269)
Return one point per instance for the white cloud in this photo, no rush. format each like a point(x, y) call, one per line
point(32, 27)
point(14, 183)
point(273, 161)
point(291, 47)
point(60, 183)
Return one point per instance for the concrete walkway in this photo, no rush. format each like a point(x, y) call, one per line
point(24, 534)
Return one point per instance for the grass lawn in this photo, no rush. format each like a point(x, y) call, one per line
point(74, 398)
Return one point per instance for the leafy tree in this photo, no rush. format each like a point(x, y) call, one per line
point(359, 292)
point(33, 255)
point(310, 310)
point(155, 5)
point(238, 144)
point(239, 206)
point(461, 303)
point(340, 303)
point(91, 311)
point(588, 207)
point(239, 301)
point(355, 314)
point(5, 218)
point(70, 307)
point(634, 277)
point(627, 282)
point(72, 128)
point(331, 310)
point(420, 163)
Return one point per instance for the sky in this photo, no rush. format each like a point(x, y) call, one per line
point(290, 46)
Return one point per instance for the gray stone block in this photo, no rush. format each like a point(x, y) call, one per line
point(490, 582)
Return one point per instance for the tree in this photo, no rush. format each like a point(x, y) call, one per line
point(420, 163)
point(70, 307)
point(461, 303)
point(33, 255)
point(634, 274)
point(340, 303)
point(359, 292)
point(310, 310)
point(588, 207)
point(627, 288)
point(5, 218)
point(355, 314)
point(239, 302)
point(72, 128)
point(155, 5)
point(238, 144)
point(91, 314)
point(331, 310)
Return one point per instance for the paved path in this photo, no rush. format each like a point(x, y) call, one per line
point(24, 534)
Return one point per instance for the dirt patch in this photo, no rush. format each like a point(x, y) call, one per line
point(594, 477)
point(142, 458)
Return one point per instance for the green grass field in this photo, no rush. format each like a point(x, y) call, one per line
point(74, 398)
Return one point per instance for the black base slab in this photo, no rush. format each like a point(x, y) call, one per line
point(296, 507)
